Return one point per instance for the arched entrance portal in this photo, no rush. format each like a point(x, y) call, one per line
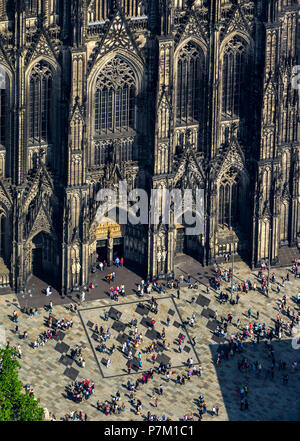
point(187, 243)
point(110, 241)
point(44, 260)
point(110, 238)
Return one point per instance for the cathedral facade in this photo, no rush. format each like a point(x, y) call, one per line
point(167, 94)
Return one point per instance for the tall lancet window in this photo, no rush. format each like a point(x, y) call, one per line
point(40, 103)
point(31, 6)
point(115, 98)
point(3, 115)
point(229, 199)
point(190, 84)
point(233, 77)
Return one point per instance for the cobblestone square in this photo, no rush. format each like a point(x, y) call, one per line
point(49, 369)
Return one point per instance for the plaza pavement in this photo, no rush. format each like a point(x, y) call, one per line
point(48, 370)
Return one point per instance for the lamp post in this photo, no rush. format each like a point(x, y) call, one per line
point(269, 260)
point(232, 267)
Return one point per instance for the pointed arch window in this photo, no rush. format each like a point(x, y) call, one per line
point(31, 6)
point(40, 90)
point(115, 98)
point(233, 76)
point(190, 84)
point(229, 199)
point(3, 115)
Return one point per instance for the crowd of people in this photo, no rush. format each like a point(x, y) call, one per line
point(79, 390)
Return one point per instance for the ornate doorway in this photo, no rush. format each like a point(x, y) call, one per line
point(180, 241)
point(43, 258)
point(190, 245)
point(110, 242)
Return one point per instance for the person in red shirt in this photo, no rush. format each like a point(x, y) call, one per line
point(122, 261)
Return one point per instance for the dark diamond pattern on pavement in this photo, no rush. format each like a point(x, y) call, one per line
point(212, 325)
point(202, 301)
point(119, 326)
point(122, 338)
point(113, 313)
point(152, 334)
point(60, 348)
point(205, 313)
point(65, 360)
point(142, 311)
point(163, 358)
point(71, 373)
point(146, 322)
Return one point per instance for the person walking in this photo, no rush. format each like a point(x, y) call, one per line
point(19, 351)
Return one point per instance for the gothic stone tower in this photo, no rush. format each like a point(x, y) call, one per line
point(158, 93)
